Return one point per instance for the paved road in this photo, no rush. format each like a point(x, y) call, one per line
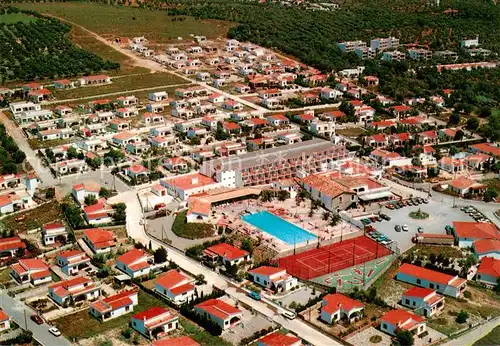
point(17, 134)
point(15, 309)
point(136, 231)
point(475, 334)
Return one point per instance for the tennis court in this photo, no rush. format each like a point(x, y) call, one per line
point(334, 257)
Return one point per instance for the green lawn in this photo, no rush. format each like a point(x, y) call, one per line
point(82, 325)
point(15, 18)
point(191, 230)
point(491, 339)
point(122, 84)
point(114, 21)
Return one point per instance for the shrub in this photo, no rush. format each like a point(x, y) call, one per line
point(462, 316)
point(127, 333)
point(467, 295)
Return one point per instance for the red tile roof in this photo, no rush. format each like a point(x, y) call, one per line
point(402, 108)
point(227, 251)
point(418, 292)
point(70, 253)
point(463, 183)
point(266, 270)
point(278, 339)
point(11, 243)
point(487, 148)
point(170, 279)
point(489, 266)
point(190, 181)
point(487, 245)
point(3, 316)
point(150, 313)
point(230, 126)
point(475, 230)
point(424, 273)
point(132, 256)
point(337, 301)
point(218, 308)
point(99, 237)
point(401, 318)
point(50, 226)
point(180, 341)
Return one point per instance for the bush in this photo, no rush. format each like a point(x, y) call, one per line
point(404, 338)
point(127, 333)
point(467, 295)
point(189, 230)
point(462, 316)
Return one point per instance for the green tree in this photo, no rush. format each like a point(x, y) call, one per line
point(90, 200)
point(266, 196)
point(454, 119)
point(462, 316)
point(104, 192)
point(160, 255)
point(247, 245)
point(404, 337)
point(490, 194)
point(283, 195)
point(120, 213)
point(472, 123)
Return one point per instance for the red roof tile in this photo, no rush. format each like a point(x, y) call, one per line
point(401, 317)
point(476, 230)
point(487, 245)
point(11, 243)
point(489, 266)
point(418, 292)
point(487, 148)
point(99, 237)
point(278, 339)
point(266, 270)
point(337, 301)
point(218, 308)
point(227, 251)
point(180, 341)
point(170, 279)
point(150, 313)
point(3, 316)
point(131, 256)
point(424, 273)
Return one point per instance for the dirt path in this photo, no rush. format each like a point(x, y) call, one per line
point(138, 61)
point(154, 66)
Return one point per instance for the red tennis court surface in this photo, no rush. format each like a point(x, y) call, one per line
point(331, 258)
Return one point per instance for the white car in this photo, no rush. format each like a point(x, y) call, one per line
point(405, 228)
point(54, 331)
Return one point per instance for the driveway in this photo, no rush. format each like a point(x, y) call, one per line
point(21, 313)
point(17, 134)
point(101, 176)
point(440, 215)
point(300, 296)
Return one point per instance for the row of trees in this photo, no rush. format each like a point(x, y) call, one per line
point(41, 49)
point(10, 155)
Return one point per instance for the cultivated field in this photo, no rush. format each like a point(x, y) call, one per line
point(122, 84)
point(15, 18)
point(110, 21)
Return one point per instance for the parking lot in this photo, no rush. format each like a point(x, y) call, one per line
point(440, 215)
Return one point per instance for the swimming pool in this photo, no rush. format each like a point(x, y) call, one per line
point(279, 228)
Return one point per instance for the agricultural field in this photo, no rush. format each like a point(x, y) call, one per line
point(88, 42)
point(118, 21)
point(122, 84)
point(40, 48)
point(12, 18)
point(33, 218)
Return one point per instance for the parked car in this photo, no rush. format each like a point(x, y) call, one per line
point(420, 229)
point(378, 218)
point(54, 331)
point(397, 228)
point(448, 229)
point(390, 206)
point(405, 228)
point(289, 315)
point(37, 319)
point(254, 295)
point(160, 206)
point(385, 216)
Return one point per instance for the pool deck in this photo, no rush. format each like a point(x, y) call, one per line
point(288, 210)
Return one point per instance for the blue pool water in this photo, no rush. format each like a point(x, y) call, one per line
point(279, 228)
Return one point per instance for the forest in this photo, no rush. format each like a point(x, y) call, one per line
point(40, 49)
point(10, 155)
